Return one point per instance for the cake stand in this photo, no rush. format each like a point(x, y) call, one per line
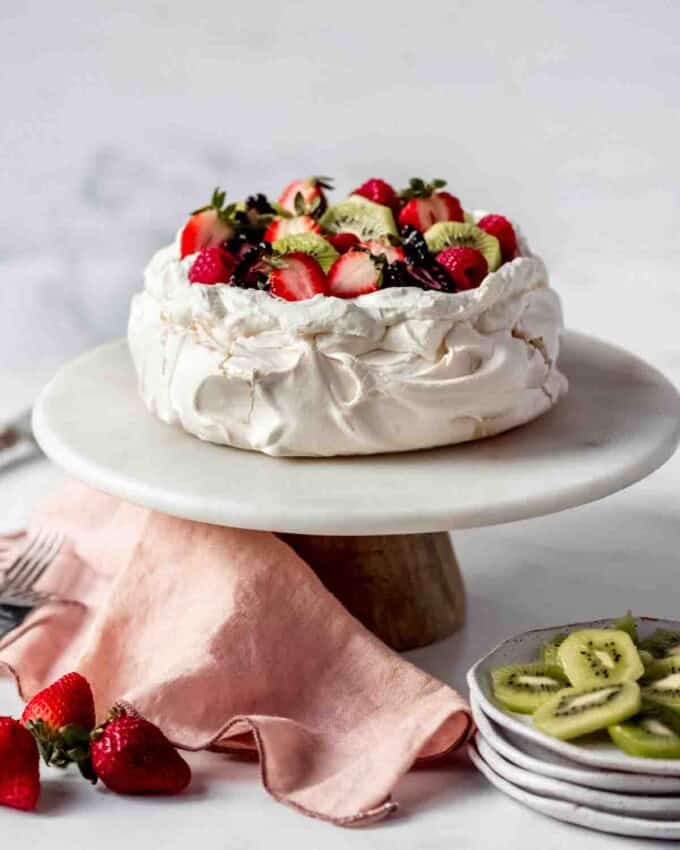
point(374, 528)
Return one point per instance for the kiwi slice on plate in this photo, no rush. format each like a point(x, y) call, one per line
point(659, 668)
point(662, 643)
point(627, 624)
point(453, 234)
point(599, 657)
point(360, 216)
point(549, 650)
point(523, 687)
point(665, 690)
point(572, 712)
point(654, 733)
point(309, 243)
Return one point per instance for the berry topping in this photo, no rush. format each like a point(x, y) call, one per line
point(132, 756)
point(296, 277)
point(306, 197)
point(379, 192)
point(355, 273)
point(252, 269)
point(425, 205)
point(397, 274)
point(342, 242)
point(500, 227)
point(19, 766)
point(209, 225)
point(281, 227)
point(467, 267)
point(212, 265)
point(415, 246)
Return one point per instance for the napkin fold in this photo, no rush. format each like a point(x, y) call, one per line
point(227, 640)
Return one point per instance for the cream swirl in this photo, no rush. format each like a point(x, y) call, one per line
point(394, 370)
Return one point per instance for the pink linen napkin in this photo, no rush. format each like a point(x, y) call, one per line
point(227, 640)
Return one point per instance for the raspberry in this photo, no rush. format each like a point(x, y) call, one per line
point(213, 265)
point(500, 227)
point(379, 192)
point(466, 266)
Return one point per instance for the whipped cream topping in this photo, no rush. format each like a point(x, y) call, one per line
point(396, 369)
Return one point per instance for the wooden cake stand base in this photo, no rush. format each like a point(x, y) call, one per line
point(406, 588)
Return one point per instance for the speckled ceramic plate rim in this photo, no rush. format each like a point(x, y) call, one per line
point(508, 652)
point(604, 780)
point(629, 805)
point(579, 815)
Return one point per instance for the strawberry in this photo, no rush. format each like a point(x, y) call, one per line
point(355, 273)
point(209, 225)
point(500, 227)
point(60, 718)
point(212, 265)
point(467, 267)
point(379, 192)
point(287, 226)
point(296, 277)
point(19, 766)
point(306, 197)
point(379, 248)
point(425, 205)
point(132, 756)
point(342, 242)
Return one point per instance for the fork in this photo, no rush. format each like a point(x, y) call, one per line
point(19, 579)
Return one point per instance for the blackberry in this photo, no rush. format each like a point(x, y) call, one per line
point(397, 274)
point(415, 246)
point(260, 204)
point(432, 276)
point(252, 270)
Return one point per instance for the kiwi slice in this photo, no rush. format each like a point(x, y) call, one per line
point(665, 690)
point(654, 733)
point(659, 668)
point(451, 234)
point(572, 712)
point(309, 243)
point(360, 216)
point(600, 656)
point(627, 624)
point(662, 643)
point(523, 687)
point(549, 653)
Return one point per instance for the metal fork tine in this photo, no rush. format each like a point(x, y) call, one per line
point(34, 570)
point(26, 552)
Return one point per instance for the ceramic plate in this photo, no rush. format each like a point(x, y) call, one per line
point(630, 805)
point(595, 753)
point(533, 757)
point(580, 815)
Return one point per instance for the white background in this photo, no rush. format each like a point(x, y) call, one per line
point(118, 118)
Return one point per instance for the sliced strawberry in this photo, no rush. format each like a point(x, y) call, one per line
point(296, 277)
point(209, 225)
point(426, 205)
point(306, 197)
point(502, 229)
point(379, 248)
point(379, 192)
point(342, 242)
point(288, 226)
point(354, 273)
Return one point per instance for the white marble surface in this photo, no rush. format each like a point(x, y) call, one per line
point(117, 118)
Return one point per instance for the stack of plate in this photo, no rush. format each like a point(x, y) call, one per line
point(592, 784)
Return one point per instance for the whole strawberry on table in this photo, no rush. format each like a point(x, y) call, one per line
point(126, 752)
point(300, 246)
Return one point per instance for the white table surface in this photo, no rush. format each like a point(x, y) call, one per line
point(584, 563)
